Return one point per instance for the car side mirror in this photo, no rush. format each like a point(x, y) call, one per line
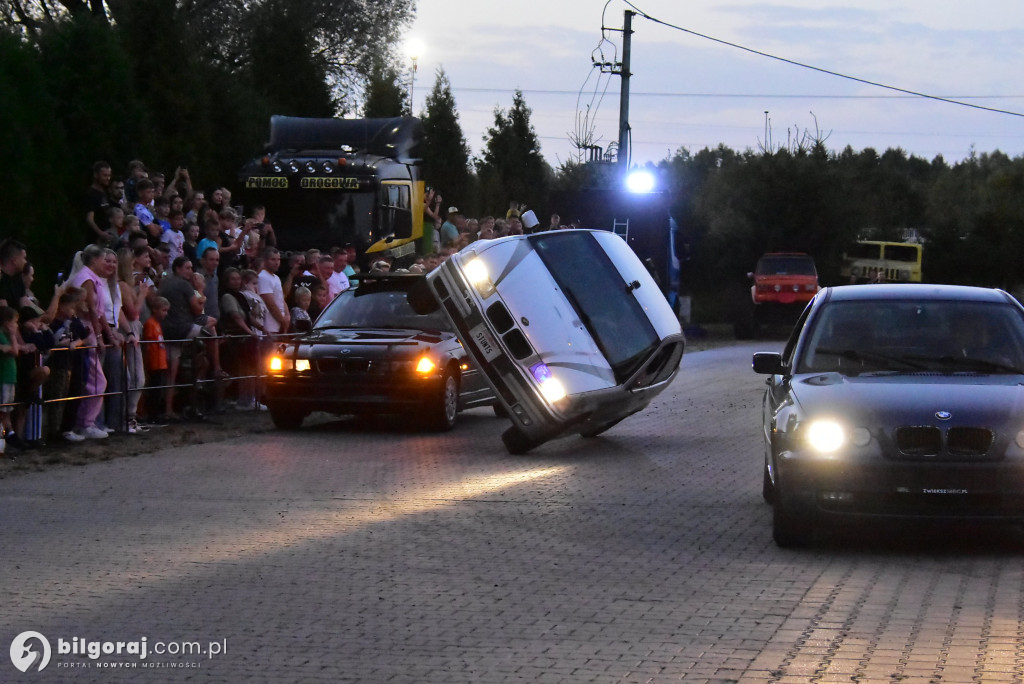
point(768, 363)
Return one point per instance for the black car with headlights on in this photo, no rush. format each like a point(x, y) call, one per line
point(898, 400)
point(370, 353)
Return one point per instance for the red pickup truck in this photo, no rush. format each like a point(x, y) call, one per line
point(782, 284)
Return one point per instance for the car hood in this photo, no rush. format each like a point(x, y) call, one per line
point(911, 399)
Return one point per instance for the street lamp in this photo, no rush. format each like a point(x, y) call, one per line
point(413, 49)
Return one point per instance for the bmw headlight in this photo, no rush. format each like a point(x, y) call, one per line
point(478, 276)
point(825, 436)
point(550, 386)
point(278, 363)
point(425, 365)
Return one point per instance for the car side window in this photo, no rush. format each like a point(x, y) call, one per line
point(790, 349)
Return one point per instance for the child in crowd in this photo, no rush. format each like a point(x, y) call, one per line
point(69, 333)
point(205, 326)
point(173, 236)
point(257, 307)
point(154, 354)
point(319, 299)
point(32, 375)
point(116, 218)
point(301, 320)
point(131, 227)
point(9, 350)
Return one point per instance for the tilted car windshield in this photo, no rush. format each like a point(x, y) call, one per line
point(854, 337)
point(365, 307)
point(602, 299)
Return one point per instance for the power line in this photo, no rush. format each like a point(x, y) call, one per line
point(785, 96)
point(819, 69)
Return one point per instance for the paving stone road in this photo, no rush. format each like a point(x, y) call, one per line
point(356, 553)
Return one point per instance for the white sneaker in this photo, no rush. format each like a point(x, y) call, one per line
point(260, 407)
point(73, 437)
point(93, 432)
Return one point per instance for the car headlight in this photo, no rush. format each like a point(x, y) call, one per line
point(478, 277)
point(425, 366)
point(278, 363)
point(550, 387)
point(825, 436)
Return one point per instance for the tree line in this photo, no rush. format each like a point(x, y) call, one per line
point(194, 82)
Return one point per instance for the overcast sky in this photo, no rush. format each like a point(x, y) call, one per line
point(688, 91)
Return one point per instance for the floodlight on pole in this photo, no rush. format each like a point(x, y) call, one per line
point(640, 181)
point(413, 49)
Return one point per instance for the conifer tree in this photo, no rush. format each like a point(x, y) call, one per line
point(512, 167)
point(445, 151)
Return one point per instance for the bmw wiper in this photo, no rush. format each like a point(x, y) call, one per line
point(975, 364)
point(885, 361)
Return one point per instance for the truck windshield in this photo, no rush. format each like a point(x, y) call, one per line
point(304, 218)
point(597, 291)
point(786, 265)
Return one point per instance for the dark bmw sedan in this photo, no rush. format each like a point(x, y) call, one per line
point(370, 353)
point(896, 400)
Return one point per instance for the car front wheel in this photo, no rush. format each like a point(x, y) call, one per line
point(792, 525)
point(286, 419)
point(443, 412)
point(517, 442)
point(767, 488)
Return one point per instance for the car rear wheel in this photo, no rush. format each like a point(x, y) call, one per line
point(443, 412)
point(286, 419)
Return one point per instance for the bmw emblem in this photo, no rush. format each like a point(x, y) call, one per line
point(943, 415)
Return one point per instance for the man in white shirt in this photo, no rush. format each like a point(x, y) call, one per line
point(338, 282)
point(271, 292)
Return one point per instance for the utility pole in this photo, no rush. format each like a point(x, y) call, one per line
point(624, 74)
point(622, 70)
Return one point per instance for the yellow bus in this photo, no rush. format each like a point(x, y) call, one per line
point(879, 261)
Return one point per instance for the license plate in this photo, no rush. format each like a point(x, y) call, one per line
point(485, 342)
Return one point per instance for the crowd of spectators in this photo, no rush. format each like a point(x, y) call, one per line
point(169, 307)
point(163, 315)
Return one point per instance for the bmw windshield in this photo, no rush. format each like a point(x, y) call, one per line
point(946, 336)
point(377, 307)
